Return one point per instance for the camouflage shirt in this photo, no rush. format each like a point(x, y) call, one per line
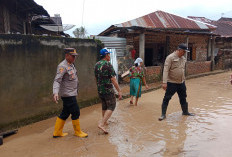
point(104, 72)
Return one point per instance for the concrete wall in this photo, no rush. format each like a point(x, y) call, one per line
point(27, 69)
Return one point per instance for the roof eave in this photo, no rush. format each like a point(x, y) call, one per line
point(114, 28)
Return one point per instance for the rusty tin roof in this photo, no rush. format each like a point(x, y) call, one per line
point(163, 20)
point(224, 25)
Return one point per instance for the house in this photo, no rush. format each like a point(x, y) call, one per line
point(24, 17)
point(48, 25)
point(156, 35)
point(223, 41)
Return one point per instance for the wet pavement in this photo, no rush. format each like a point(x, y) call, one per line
point(136, 131)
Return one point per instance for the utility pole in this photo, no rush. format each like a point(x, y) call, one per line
point(83, 12)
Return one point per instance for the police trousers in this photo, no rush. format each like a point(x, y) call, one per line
point(172, 88)
point(70, 106)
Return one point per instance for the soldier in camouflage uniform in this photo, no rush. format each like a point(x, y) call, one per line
point(106, 78)
point(66, 85)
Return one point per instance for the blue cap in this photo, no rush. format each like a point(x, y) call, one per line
point(103, 52)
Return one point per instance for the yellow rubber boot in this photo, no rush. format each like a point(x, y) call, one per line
point(77, 129)
point(58, 132)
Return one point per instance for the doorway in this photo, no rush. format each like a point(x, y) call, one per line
point(148, 57)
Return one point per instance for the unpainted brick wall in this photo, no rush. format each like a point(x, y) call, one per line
point(199, 43)
point(153, 74)
point(224, 55)
point(198, 67)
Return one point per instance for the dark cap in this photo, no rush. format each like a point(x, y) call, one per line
point(183, 47)
point(70, 51)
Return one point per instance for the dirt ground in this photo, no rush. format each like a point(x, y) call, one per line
point(136, 131)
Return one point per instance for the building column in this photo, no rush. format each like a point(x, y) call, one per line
point(167, 49)
point(6, 20)
point(212, 53)
point(24, 28)
point(187, 41)
point(209, 49)
point(186, 56)
point(142, 46)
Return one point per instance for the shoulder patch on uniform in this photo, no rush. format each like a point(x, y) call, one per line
point(61, 69)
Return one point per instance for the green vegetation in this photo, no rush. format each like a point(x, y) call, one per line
point(80, 32)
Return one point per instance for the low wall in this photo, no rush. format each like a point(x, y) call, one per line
point(28, 67)
point(153, 74)
point(198, 67)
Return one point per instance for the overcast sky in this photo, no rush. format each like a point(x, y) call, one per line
point(98, 15)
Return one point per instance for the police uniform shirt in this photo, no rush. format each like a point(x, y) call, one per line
point(174, 69)
point(66, 80)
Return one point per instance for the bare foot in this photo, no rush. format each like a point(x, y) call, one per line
point(131, 102)
point(103, 129)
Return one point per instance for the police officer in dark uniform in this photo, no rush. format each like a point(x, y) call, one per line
point(66, 86)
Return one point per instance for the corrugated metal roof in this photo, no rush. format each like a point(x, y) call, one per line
point(202, 19)
point(224, 29)
point(119, 44)
point(163, 20)
point(224, 25)
point(225, 19)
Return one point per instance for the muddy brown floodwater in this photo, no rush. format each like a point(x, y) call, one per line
point(136, 131)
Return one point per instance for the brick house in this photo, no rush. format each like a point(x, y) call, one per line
point(223, 41)
point(156, 35)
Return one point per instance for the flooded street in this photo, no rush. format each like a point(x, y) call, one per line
point(136, 131)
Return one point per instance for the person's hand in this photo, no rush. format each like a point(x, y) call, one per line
point(56, 98)
point(119, 95)
point(147, 87)
point(164, 86)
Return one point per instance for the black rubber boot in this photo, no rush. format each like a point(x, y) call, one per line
point(1, 140)
point(188, 114)
point(185, 110)
point(162, 117)
point(164, 109)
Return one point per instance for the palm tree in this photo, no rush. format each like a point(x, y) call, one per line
point(80, 32)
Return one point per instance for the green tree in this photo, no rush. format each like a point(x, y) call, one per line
point(80, 32)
